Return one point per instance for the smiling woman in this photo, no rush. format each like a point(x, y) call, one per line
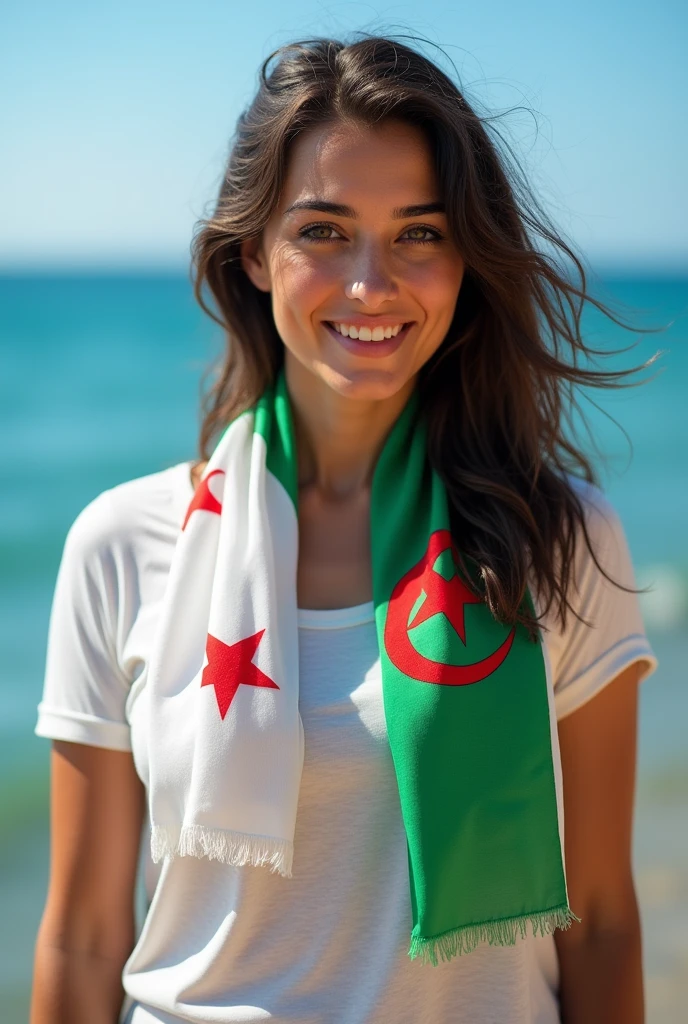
point(349, 673)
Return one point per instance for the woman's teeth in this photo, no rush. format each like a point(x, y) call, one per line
point(367, 333)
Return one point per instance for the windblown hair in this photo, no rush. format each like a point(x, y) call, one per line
point(500, 390)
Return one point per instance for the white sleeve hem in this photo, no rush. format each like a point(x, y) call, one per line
point(578, 691)
point(77, 727)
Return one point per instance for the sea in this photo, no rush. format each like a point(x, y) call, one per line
point(101, 376)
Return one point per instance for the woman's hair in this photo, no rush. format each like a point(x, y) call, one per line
point(500, 391)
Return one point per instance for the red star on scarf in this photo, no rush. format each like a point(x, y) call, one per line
point(204, 497)
point(448, 596)
point(230, 665)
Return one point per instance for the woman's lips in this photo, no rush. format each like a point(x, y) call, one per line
point(370, 349)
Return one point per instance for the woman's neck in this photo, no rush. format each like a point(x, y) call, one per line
point(338, 439)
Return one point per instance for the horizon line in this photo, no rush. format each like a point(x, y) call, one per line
point(609, 267)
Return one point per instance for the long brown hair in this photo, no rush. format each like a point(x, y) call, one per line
point(499, 391)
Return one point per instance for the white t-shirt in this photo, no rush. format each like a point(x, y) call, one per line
point(329, 945)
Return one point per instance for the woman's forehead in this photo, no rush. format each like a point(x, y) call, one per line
point(385, 167)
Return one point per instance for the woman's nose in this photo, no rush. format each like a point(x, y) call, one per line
point(371, 281)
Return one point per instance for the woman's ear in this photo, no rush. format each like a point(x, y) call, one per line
point(255, 264)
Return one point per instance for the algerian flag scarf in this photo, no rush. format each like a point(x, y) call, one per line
point(468, 709)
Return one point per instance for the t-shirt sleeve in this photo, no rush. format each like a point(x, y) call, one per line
point(85, 688)
point(588, 654)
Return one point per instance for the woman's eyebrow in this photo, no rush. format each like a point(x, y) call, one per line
point(338, 210)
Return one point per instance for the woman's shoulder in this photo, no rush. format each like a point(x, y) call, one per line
point(606, 633)
point(131, 515)
point(114, 563)
point(600, 543)
point(603, 525)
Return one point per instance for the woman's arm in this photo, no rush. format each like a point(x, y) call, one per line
point(87, 929)
point(600, 958)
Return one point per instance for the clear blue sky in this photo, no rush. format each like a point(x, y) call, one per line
point(116, 117)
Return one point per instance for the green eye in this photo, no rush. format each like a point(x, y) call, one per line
point(436, 236)
point(328, 233)
point(306, 232)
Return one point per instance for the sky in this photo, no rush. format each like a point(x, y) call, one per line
point(116, 118)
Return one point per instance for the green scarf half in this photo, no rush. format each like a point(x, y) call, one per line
point(469, 718)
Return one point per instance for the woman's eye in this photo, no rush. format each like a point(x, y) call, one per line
point(327, 233)
point(435, 235)
point(321, 232)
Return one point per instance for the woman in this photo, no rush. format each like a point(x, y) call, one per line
point(387, 455)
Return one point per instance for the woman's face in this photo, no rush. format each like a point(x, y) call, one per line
point(359, 246)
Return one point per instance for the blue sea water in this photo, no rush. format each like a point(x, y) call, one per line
point(99, 382)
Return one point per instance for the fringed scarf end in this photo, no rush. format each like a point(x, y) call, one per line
point(235, 848)
point(502, 932)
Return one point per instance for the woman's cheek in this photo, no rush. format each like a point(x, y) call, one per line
point(302, 283)
point(294, 297)
point(438, 279)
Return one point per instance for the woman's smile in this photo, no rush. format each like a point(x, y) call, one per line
point(362, 340)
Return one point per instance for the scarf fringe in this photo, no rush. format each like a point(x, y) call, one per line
point(235, 848)
point(497, 933)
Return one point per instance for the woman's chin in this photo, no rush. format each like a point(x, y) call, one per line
point(364, 380)
point(363, 383)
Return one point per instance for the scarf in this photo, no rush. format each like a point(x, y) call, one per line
point(467, 704)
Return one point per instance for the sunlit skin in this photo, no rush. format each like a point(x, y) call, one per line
point(365, 265)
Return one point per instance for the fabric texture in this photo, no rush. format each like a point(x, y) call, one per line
point(238, 944)
point(468, 713)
